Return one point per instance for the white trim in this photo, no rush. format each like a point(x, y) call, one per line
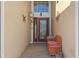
point(32, 22)
point(31, 32)
point(50, 32)
point(76, 29)
point(44, 14)
point(2, 29)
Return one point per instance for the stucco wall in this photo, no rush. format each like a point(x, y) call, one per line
point(16, 32)
point(53, 15)
point(66, 27)
point(0, 29)
point(78, 28)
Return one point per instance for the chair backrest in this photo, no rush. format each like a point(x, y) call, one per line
point(58, 38)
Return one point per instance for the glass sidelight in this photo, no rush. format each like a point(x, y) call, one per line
point(40, 29)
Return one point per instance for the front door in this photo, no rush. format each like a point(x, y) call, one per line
point(41, 29)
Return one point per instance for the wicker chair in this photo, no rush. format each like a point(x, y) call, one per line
point(54, 45)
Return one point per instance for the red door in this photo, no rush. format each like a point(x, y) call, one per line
point(41, 29)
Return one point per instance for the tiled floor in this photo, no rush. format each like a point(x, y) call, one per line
point(36, 51)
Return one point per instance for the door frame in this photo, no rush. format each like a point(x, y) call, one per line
point(49, 15)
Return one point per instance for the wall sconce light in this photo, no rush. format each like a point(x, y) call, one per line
point(30, 15)
point(57, 1)
point(24, 18)
point(57, 18)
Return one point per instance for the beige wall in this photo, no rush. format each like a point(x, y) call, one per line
point(78, 28)
point(66, 27)
point(53, 14)
point(17, 33)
